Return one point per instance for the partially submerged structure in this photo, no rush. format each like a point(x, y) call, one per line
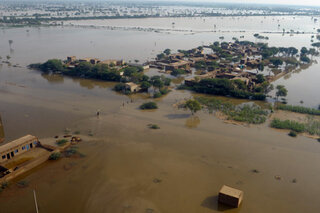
point(230, 196)
point(22, 155)
point(17, 147)
point(1, 131)
point(132, 87)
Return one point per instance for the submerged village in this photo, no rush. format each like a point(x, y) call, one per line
point(239, 69)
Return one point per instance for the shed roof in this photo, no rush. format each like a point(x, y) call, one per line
point(227, 190)
point(16, 143)
point(179, 63)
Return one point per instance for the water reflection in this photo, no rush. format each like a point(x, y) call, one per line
point(192, 122)
point(91, 84)
point(53, 78)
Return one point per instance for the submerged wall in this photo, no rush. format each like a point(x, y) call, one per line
point(1, 131)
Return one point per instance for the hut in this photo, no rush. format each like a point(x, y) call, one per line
point(178, 65)
point(17, 147)
point(230, 196)
point(132, 87)
point(71, 59)
point(90, 60)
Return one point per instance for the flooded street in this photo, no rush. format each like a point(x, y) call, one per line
point(127, 166)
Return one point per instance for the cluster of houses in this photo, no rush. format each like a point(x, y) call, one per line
point(72, 62)
point(244, 68)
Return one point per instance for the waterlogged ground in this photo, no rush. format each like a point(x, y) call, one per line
point(131, 168)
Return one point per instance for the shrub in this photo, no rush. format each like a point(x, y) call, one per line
point(292, 134)
point(299, 109)
point(157, 95)
point(55, 156)
point(120, 87)
point(23, 183)
point(318, 139)
point(71, 151)
point(4, 185)
point(149, 105)
point(62, 142)
point(153, 126)
point(287, 124)
point(193, 106)
point(177, 72)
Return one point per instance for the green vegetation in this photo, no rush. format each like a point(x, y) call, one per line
point(247, 113)
point(167, 51)
point(225, 87)
point(55, 156)
point(292, 134)
point(62, 142)
point(153, 126)
point(149, 105)
point(106, 73)
point(299, 109)
point(193, 106)
point(121, 87)
point(177, 72)
point(3, 185)
point(83, 70)
point(287, 124)
point(72, 151)
point(162, 91)
point(23, 183)
point(281, 91)
point(311, 126)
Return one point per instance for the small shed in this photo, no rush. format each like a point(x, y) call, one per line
point(230, 196)
point(132, 87)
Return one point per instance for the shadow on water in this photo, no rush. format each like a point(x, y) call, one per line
point(192, 122)
point(53, 78)
point(212, 203)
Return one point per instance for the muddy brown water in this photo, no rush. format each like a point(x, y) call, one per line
point(127, 166)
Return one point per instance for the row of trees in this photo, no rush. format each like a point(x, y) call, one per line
point(108, 73)
point(225, 87)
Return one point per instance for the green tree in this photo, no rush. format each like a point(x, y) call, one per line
point(261, 67)
point(54, 65)
point(160, 56)
point(276, 61)
point(304, 50)
point(167, 51)
point(149, 105)
point(145, 85)
point(260, 78)
point(305, 58)
point(193, 106)
point(281, 91)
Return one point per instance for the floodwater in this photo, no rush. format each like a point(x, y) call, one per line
point(127, 166)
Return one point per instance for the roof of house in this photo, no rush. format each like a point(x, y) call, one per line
point(110, 61)
point(231, 191)
point(179, 63)
point(89, 59)
point(16, 143)
point(131, 84)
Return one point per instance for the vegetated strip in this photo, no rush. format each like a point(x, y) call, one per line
point(247, 113)
point(299, 109)
point(312, 126)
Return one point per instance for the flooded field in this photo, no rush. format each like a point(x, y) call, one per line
point(127, 166)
